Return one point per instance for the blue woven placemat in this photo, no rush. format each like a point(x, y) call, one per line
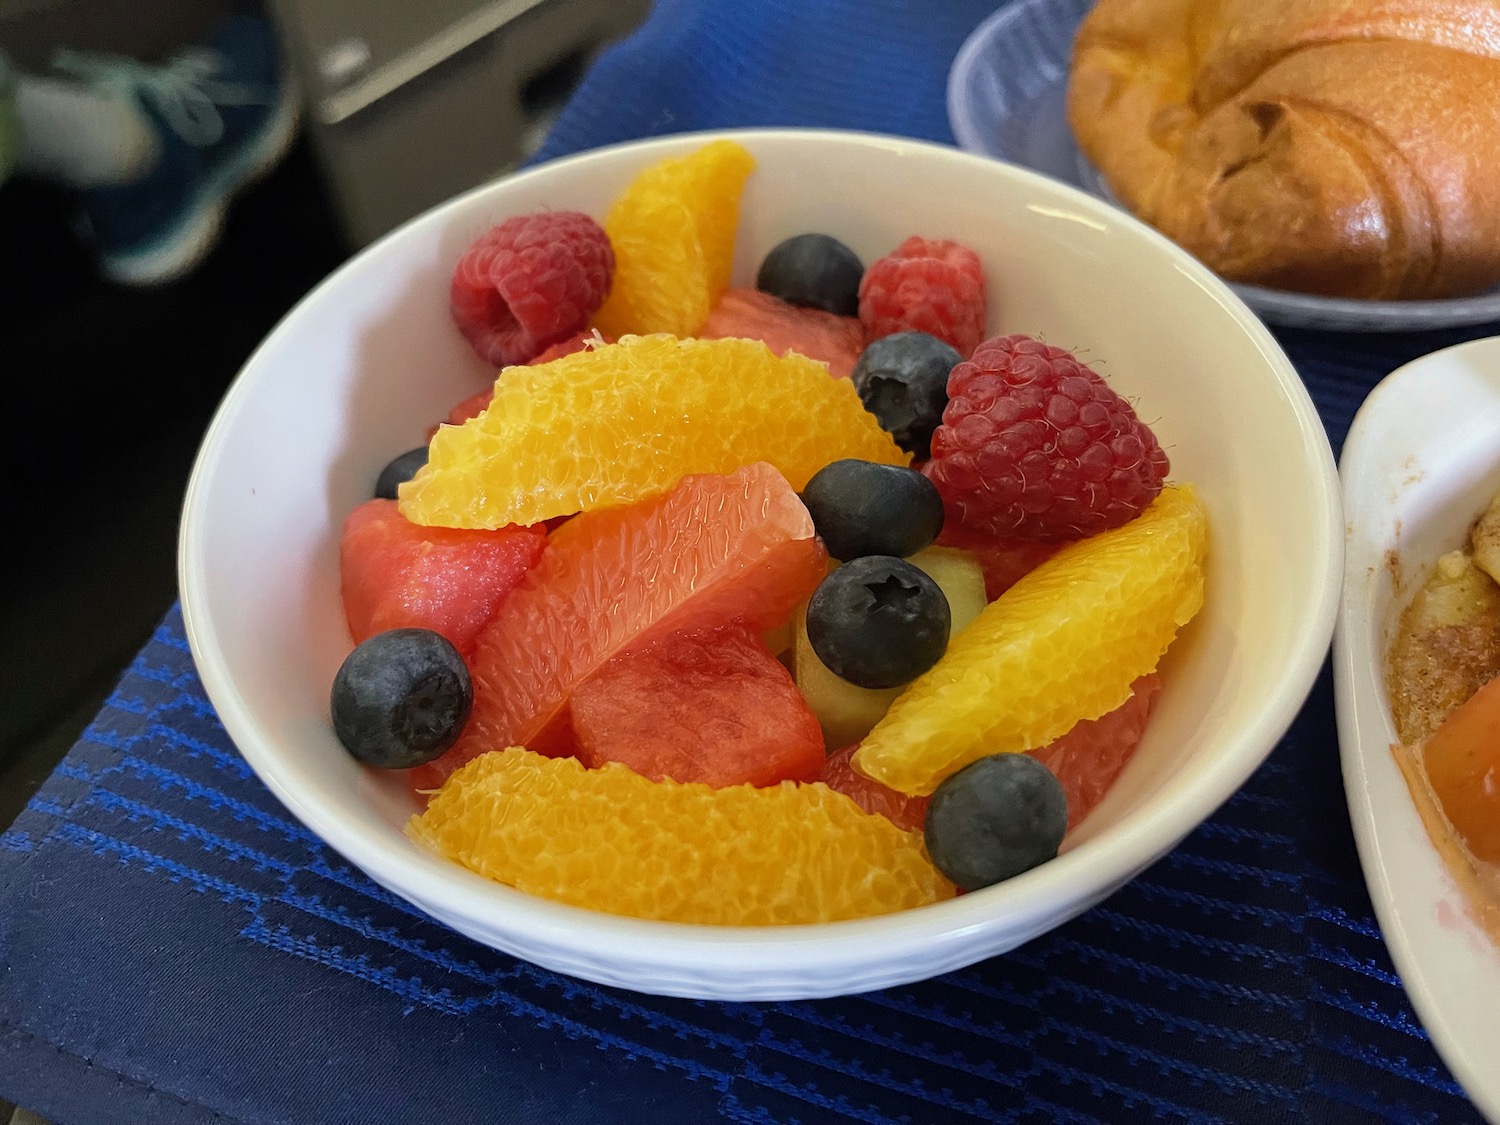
point(174, 947)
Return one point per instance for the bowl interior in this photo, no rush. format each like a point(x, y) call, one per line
point(361, 369)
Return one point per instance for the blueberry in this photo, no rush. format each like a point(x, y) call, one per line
point(813, 270)
point(399, 471)
point(903, 380)
point(401, 698)
point(861, 508)
point(996, 818)
point(878, 622)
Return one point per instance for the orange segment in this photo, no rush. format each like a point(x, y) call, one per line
point(714, 550)
point(609, 839)
point(1063, 644)
point(673, 234)
point(621, 422)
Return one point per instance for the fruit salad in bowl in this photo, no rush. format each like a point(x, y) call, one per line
point(725, 581)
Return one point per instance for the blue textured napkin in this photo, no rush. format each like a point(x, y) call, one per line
point(174, 947)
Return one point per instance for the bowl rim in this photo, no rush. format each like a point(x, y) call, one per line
point(797, 952)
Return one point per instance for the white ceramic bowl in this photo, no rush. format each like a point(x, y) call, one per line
point(1421, 462)
point(360, 369)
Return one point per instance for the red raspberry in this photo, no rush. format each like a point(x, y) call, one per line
point(1035, 445)
point(532, 281)
point(931, 286)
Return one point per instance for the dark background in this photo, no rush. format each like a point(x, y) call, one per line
point(107, 391)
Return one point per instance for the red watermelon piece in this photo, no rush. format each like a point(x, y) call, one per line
point(396, 574)
point(700, 705)
point(835, 340)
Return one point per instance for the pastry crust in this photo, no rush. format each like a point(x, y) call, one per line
point(1343, 147)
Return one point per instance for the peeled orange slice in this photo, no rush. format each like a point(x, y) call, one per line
point(609, 839)
point(673, 234)
point(1062, 645)
point(615, 424)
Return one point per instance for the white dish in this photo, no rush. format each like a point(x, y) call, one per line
point(366, 362)
point(1006, 97)
point(1421, 460)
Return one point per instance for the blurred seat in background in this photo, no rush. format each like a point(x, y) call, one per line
point(154, 151)
point(109, 387)
point(410, 104)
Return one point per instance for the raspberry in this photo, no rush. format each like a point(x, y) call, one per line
point(933, 286)
point(1035, 445)
point(530, 282)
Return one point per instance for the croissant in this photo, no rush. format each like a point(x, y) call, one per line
point(1341, 147)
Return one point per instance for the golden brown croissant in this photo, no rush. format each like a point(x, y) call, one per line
point(1342, 147)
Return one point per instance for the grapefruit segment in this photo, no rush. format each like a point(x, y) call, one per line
point(1090, 756)
point(782, 327)
point(907, 813)
point(713, 551)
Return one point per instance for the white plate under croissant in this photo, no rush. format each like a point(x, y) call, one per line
point(1007, 98)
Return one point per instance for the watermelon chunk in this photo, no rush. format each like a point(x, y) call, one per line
point(704, 705)
point(395, 574)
